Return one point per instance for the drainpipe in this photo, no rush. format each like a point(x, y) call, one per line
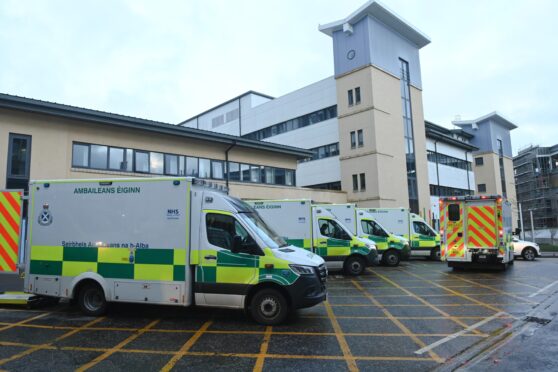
point(467, 165)
point(227, 164)
point(437, 171)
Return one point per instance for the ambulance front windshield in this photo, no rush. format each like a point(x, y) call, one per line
point(266, 233)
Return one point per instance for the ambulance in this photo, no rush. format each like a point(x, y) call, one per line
point(424, 240)
point(315, 229)
point(391, 248)
point(476, 231)
point(167, 241)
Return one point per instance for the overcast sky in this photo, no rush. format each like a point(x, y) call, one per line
point(169, 60)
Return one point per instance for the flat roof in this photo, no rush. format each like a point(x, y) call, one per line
point(377, 10)
point(443, 134)
point(18, 103)
point(496, 116)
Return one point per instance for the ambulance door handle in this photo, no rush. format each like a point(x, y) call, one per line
point(460, 235)
point(210, 257)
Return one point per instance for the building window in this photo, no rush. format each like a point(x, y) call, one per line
point(481, 187)
point(217, 170)
point(355, 182)
point(500, 147)
point(293, 124)
point(360, 138)
point(408, 135)
point(19, 161)
point(353, 140)
point(450, 161)
point(479, 161)
point(357, 95)
point(191, 166)
point(99, 157)
point(141, 161)
point(121, 159)
point(156, 163)
point(326, 186)
point(171, 165)
point(436, 190)
point(204, 170)
point(362, 182)
point(80, 155)
point(350, 97)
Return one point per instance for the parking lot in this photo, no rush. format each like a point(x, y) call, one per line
point(417, 316)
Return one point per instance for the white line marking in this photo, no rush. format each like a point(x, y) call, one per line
point(457, 334)
point(542, 289)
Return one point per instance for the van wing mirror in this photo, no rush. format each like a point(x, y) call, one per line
point(236, 244)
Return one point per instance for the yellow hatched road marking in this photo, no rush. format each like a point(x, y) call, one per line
point(348, 356)
point(263, 349)
point(488, 306)
point(186, 347)
point(494, 289)
point(48, 345)
point(439, 311)
point(23, 321)
point(113, 350)
point(400, 325)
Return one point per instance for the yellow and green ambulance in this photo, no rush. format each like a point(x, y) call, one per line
point(423, 239)
point(167, 241)
point(391, 248)
point(315, 229)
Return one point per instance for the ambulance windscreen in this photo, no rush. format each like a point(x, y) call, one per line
point(266, 233)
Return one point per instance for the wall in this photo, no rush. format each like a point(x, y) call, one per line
point(319, 171)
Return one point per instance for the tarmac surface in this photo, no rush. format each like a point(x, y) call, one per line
point(419, 316)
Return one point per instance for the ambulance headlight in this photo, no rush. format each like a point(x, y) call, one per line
point(302, 269)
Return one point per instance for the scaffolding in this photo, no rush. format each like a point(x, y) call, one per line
point(536, 180)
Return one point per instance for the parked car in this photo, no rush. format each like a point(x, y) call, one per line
point(528, 250)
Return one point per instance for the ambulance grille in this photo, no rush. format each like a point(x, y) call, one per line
point(322, 273)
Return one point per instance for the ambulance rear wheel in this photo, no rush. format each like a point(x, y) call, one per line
point(92, 300)
point(435, 254)
point(354, 265)
point(391, 258)
point(269, 307)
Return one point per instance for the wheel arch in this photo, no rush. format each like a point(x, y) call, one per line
point(79, 281)
point(266, 285)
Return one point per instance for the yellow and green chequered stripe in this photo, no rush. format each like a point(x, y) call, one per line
point(112, 263)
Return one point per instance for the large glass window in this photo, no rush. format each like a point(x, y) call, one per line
point(204, 168)
point(142, 161)
point(191, 166)
point(171, 164)
point(234, 171)
point(80, 155)
point(116, 158)
point(290, 178)
point(19, 155)
point(156, 163)
point(321, 152)
point(129, 162)
point(255, 173)
point(181, 166)
point(408, 135)
point(295, 123)
point(217, 169)
point(99, 156)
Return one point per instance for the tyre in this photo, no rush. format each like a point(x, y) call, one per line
point(529, 254)
point(91, 300)
point(435, 254)
point(391, 258)
point(354, 265)
point(269, 307)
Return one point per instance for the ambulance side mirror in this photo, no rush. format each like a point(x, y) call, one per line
point(236, 244)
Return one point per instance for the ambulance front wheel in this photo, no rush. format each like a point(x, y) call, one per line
point(269, 307)
point(391, 258)
point(92, 300)
point(435, 254)
point(354, 265)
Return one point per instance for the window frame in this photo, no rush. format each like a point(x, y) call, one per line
point(28, 139)
point(355, 182)
point(483, 187)
point(360, 138)
point(357, 96)
point(350, 98)
point(353, 140)
point(362, 183)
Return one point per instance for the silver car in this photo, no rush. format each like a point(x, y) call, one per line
point(528, 250)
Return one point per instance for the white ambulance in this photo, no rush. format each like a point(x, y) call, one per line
point(424, 240)
point(391, 248)
point(170, 241)
point(476, 231)
point(314, 228)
